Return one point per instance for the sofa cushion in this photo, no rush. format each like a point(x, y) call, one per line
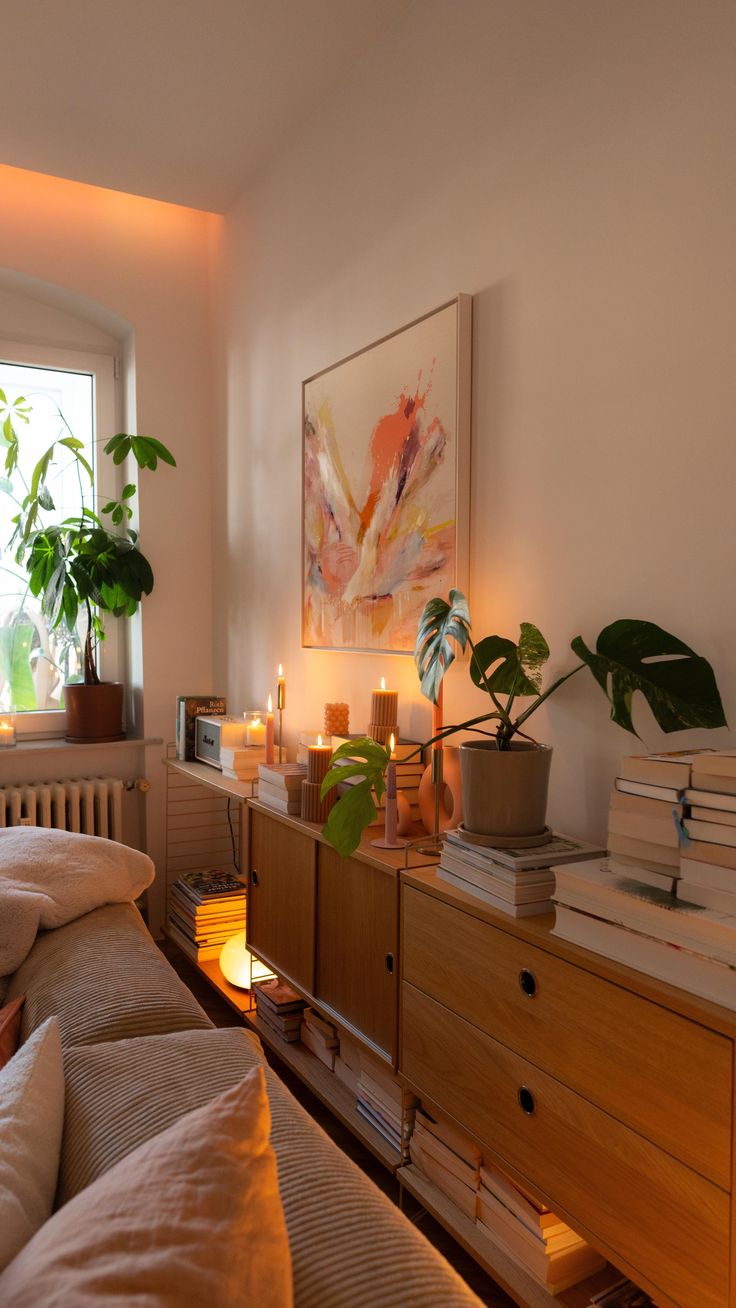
point(105, 979)
point(120, 1093)
point(350, 1246)
point(192, 1217)
point(10, 1029)
point(31, 1117)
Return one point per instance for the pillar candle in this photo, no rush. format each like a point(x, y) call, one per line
point(337, 719)
point(318, 761)
point(384, 706)
point(255, 732)
point(269, 732)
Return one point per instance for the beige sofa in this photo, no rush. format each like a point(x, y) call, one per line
point(139, 1052)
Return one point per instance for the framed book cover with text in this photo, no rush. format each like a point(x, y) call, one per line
point(386, 484)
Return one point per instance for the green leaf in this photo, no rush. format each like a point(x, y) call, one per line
point(678, 684)
point(156, 448)
point(520, 670)
point(441, 622)
point(349, 818)
point(108, 508)
point(128, 491)
point(45, 500)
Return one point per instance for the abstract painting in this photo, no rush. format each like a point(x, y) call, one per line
point(386, 484)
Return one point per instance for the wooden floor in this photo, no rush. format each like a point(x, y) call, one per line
point(222, 1015)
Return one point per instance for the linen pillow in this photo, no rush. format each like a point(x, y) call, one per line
point(31, 1121)
point(191, 1217)
point(10, 1029)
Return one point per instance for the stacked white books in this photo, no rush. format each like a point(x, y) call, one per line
point(241, 763)
point(653, 930)
point(384, 1102)
point(448, 1158)
point(646, 814)
point(204, 910)
point(550, 1251)
point(708, 858)
point(280, 786)
point(514, 880)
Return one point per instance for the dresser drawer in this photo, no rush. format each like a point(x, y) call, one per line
point(665, 1220)
point(659, 1073)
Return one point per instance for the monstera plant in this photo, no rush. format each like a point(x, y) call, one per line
point(630, 655)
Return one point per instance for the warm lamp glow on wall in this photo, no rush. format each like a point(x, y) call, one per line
point(238, 965)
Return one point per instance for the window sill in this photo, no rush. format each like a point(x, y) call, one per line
point(61, 746)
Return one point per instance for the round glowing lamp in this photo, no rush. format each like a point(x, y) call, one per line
point(237, 964)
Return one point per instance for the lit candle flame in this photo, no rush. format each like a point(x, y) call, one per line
point(281, 670)
point(383, 683)
point(393, 742)
point(270, 704)
point(319, 740)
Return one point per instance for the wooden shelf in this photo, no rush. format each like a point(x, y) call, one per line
point(206, 775)
point(329, 1090)
point(509, 1274)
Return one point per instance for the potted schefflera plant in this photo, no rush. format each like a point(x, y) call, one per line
point(88, 562)
point(505, 774)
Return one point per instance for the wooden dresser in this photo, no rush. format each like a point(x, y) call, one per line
point(608, 1093)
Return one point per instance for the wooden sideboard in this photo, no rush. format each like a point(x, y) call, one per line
point(607, 1093)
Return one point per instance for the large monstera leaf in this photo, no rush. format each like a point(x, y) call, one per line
point(678, 684)
point(520, 672)
point(440, 624)
point(364, 763)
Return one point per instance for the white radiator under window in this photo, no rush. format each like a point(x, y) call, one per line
point(92, 805)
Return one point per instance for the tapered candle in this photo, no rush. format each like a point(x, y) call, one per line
point(318, 761)
point(392, 816)
point(269, 732)
point(281, 690)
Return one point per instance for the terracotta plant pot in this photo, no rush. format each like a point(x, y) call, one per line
point(505, 791)
point(94, 713)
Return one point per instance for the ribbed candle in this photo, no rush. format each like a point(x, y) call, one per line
point(318, 761)
point(315, 809)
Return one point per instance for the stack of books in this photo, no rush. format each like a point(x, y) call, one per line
point(645, 817)
point(514, 880)
point(550, 1251)
point(280, 1008)
point(448, 1158)
point(205, 909)
point(320, 1036)
point(410, 769)
point(347, 1064)
point(650, 929)
point(708, 859)
point(241, 763)
point(280, 786)
point(383, 1101)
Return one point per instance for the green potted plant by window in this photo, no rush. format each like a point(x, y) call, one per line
point(505, 775)
point(88, 562)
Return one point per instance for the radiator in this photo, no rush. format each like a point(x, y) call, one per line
point(92, 805)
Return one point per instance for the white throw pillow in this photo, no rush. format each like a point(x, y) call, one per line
point(31, 1122)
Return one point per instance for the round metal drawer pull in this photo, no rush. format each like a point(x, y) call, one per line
point(528, 982)
point(526, 1100)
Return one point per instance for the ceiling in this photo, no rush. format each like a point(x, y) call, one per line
point(180, 100)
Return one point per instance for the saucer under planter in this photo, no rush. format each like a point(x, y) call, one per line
point(94, 714)
point(505, 791)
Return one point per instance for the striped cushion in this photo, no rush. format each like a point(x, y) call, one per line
point(104, 979)
point(351, 1248)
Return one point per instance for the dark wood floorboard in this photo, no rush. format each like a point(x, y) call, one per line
point(221, 1014)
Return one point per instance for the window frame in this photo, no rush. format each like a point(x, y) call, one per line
point(48, 724)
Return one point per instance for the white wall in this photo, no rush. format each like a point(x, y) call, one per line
point(571, 165)
point(142, 272)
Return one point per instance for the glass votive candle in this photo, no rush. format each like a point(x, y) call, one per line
point(7, 730)
point(255, 726)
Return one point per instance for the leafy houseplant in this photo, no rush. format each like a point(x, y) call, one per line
point(90, 560)
point(630, 655)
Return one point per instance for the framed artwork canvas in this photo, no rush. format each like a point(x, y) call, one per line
point(386, 484)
